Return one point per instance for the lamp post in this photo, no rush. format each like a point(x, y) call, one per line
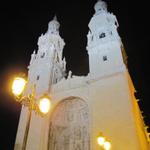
point(40, 106)
point(103, 142)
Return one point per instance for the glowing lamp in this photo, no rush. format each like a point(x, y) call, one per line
point(101, 140)
point(18, 86)
point(107, 145)
point(44, 105)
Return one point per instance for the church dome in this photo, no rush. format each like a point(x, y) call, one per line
point(100, 6)
point(53, 26)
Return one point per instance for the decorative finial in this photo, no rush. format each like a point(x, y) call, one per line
point(53, 26)
point(100, 6)
point(55, 17)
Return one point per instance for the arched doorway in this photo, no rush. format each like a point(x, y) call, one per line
point(69, 126)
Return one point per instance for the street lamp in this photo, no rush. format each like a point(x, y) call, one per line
point(100, 140)
point(18, 86)
point(44, 104)
point(103, 143)
point(40, 106)
point(107, 145)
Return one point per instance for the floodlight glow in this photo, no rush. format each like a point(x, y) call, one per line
point(44, 105)
point(18, 86)
point(107, 145)
point(101, 140)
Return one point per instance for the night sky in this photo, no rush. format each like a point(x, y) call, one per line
point(22, 23)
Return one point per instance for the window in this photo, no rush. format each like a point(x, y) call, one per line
point(58, 43)
point(57, 58)
point(102, 35)
point(92, 38)
point(38, 77)
point(42, 56)
point(104, 58)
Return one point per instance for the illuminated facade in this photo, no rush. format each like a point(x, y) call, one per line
point(83, 106)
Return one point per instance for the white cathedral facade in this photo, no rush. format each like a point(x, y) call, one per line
point(83, 106)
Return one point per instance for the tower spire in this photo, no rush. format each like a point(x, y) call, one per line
point(53, 26)
point(48, 67)
point(55, 17)
point(104, 44)
point(100, 6)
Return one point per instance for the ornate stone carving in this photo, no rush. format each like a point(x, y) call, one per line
point(69, 126)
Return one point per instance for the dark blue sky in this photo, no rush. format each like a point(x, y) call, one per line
point(22, 23)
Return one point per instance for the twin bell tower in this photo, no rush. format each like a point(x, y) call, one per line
point(83, 107)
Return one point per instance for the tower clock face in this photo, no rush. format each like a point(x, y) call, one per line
point(69, 126)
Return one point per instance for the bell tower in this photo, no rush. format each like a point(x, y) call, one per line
point(83, 106)
point(115, 109)
point(104, 43)
point(47, 66)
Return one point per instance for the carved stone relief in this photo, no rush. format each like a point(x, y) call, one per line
point(69, 126)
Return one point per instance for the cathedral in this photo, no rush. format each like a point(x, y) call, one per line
point(82, 107)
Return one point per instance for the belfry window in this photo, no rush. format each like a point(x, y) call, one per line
point(42, 56)
point(38, 77)
point(58, 43)
point(92, 38)
point(57, 58)
point(104, 58)
point(102, 35)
